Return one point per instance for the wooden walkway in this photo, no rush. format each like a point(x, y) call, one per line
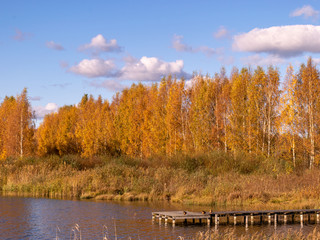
point(241, 217)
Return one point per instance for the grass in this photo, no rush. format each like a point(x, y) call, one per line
point(75, 234)
point(214, 179)
point(230, 235)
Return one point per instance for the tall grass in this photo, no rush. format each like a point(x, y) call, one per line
point(230, 235)
point(209, 179)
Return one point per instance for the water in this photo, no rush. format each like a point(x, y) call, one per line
point(39, 218)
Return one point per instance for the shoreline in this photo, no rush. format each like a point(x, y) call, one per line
point(125, 179)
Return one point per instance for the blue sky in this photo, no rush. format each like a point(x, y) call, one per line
point(61, 50)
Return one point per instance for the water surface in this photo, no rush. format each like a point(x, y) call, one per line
point(40, 218)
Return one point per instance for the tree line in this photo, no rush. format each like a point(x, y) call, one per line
point(246, 112)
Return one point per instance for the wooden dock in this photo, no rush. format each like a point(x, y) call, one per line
point(240, 217)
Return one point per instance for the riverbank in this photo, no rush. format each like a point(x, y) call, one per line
point(215, 179)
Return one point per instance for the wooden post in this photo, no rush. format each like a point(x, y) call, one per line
point(247, 220)
point(275, 219)
point(173, 222)
point(292, 216)
point(308, 217)
point(234, 219)
point(216, 219)
point(252, 219)
point(228, 219)
point(318, 217)
point(208, 221)
point(261, 218)
point(285, 219)
point(301, 219)
point(269, 218)
point(160, 218)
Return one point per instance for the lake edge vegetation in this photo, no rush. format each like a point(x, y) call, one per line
point(244, 139)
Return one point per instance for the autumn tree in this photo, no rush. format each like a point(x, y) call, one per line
point(308, 92)
point(289, 110)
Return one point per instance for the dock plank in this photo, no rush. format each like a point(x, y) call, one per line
point(186, 215)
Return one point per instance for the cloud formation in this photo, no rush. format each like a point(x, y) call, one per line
point(282, 41)
point(99, 45)
point(21, 36)
point(112, 85)
point(94, 68)
point(179, 46)
point(306, 11)
point(55, 46)
point(151, 69)
point(259, 60)
point(144, 69)
point(221, 33)
point(41, 111)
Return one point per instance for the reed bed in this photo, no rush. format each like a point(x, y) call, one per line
point(214, 179)
point(230, 235)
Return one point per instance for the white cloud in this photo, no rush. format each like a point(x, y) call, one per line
point(99, 44)
point(112, 85)
point(284, 41)
point(41, 111)
point(316, 60)
point(226, 60)
point(221, 33)
point(94, 68)
point(144, 69)
point(259, 60)
point(21, 36)
point(306, 11)
point(151, 69)
point(55, 46)
point(178, 45)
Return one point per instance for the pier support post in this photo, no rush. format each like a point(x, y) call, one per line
point(173, 222)
point(252, 219)
point(285, 219)
point(309, 218)
point(246, 220)
point(301, 219)
point(160, 218)
point(292, 216)
point(208, 221)
point(275, 220)
point(269, 218)
point(228, 219)
point(166, 220)
point(234, 219)
point(216, 219)
point(261, 218)
point(318, 217)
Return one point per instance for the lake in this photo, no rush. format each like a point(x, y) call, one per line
point(40, 218)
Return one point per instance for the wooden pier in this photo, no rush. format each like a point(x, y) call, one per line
point(240, 217)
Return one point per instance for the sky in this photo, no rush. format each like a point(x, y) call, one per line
point(61, 50)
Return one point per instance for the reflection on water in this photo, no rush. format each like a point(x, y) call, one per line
point(38, 218)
